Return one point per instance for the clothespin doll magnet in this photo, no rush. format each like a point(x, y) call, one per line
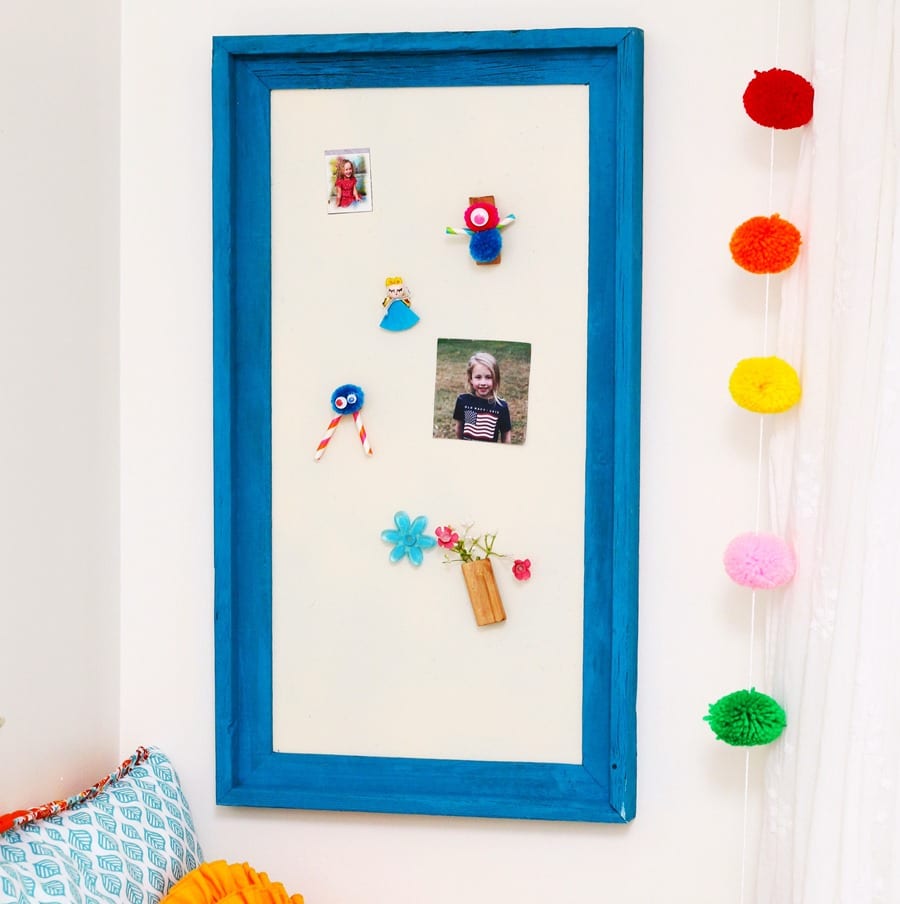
point(483, 225)
point(398, 315)
point(346, 399)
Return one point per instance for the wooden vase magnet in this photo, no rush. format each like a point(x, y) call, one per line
point(483, 592)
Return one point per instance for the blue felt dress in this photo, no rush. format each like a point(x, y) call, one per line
point(399, 317)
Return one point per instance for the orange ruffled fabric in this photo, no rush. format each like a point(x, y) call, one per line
point(228, 883)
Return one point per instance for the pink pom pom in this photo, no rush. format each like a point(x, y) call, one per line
point(761, 561)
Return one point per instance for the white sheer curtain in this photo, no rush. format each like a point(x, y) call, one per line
point(831, 812)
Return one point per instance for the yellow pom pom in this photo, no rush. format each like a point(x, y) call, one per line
point(765, 385)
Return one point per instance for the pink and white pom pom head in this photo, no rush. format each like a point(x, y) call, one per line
point(760, 561)
point(481, 216)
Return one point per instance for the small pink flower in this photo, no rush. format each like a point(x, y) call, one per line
point(446, 537)
point(521, 569)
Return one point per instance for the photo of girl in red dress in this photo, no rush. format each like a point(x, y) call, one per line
point(349, 181)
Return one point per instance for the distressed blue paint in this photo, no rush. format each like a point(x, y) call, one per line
point(245, 70)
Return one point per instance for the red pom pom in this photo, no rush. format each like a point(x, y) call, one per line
point(779, 99)
point(481, 216)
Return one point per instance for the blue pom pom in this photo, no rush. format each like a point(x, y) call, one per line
point(348, 398)
point(485, 246)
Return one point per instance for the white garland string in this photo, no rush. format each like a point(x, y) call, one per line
point(760, 454)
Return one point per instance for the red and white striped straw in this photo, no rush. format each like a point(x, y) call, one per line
point(323, 442)
point(357, 419)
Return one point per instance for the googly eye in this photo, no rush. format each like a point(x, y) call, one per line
point(351, 398)
point(341, 403)
point(481, 216)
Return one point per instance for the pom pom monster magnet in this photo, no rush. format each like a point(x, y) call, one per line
point(346, 399)
point(483, 225)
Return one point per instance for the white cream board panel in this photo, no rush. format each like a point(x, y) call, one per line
point(364, 650)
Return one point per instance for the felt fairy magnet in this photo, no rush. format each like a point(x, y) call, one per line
point(483, 225)
point(346, 399)
point(398, 314)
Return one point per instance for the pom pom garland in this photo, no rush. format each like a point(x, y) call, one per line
point(765, 385)
point(760, 561)
point(746, 718)
point(779, 99)
point(765, 244)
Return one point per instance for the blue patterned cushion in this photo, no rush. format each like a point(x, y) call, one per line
point(131, 843)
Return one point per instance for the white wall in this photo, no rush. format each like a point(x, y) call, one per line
point(706, 171)
point(59, 472)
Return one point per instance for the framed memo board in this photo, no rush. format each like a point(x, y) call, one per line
point(343, 681)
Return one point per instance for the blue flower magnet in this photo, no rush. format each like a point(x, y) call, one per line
point(483, 225)
point(346, 399)
point(408, 538)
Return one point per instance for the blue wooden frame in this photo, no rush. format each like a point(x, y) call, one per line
point(245, 70)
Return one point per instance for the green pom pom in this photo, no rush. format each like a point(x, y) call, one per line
point(746, 718)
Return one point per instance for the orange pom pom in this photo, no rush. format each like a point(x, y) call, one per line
point(765, 244)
